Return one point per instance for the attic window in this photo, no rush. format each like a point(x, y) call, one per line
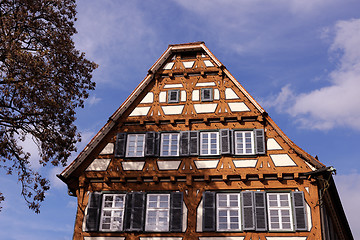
point(173, 96)
point(207, 94)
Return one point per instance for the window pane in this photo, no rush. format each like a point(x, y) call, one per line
point(112, 212)
point(157, 213)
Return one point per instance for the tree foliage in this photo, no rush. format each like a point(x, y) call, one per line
point(43, 79)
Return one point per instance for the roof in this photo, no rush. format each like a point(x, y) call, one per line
point(173, 48)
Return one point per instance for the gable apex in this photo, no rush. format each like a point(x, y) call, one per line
point(210, 107)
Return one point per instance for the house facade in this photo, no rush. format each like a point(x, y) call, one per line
point(190, 155)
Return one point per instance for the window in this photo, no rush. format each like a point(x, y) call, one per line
point(279, 211)
point(244, 142)
point(173, 96)
point(112, 214)
point(170, 144)
point(135, 145)
point(209, 143)
point(157, 212)
point(228, 212)
point(206, 94)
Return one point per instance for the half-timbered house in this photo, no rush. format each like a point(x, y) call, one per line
point(190, 155)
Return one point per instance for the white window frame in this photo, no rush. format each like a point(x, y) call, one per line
point(208, 145)
point(244, 143)
point(168, 152)
point(177, 96)
point(228, 209)
point(158, 210)
point(211, 97)
point(280, 209)
point(139, 146)
point(113, 209)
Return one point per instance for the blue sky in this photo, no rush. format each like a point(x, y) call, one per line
point(299, 58)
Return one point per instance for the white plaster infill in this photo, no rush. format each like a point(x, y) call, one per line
point(205, 108)
point(189, 64)
point(208, 63)
point(216, 94)
point(282, 160)
point(149, 98)
point(205, 164)
point(108, 149)
point(140, 111)
point(230, 94)
point(196, 95)
point(205, 84)
point(243, 163)
point(238, 107)
point(98, 165)
point(179, 85)
point(168, 165)
point(183, 96)
point(162, 97)
point(173, 110)
point(133, 166)
point(272, 144)
point(169, 66)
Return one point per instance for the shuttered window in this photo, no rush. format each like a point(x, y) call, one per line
point(135, 145)
point(170, 144)
point(112, 214)
point(209, 143)
point(244, 142)
point(176, 211)
point(225, 141)
point(279, 211)
point(134, 211)
point(228, 212)
point(157, 212)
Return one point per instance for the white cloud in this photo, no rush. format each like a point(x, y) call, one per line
point(93, 100)
point(349, 190)
point(339, 103)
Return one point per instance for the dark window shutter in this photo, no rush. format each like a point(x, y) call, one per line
point(225, 140)
point(209, 214)
point(259, 141)
point(176, 211)
point(184, 143)
point(134, 211)
point(260, 211)
point(194, 143)
point(120, 146)
point(93, 212)
point(151, 144)
point(300, 211)
point(248, 210)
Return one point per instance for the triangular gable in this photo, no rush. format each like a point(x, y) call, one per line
point(168, 65)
